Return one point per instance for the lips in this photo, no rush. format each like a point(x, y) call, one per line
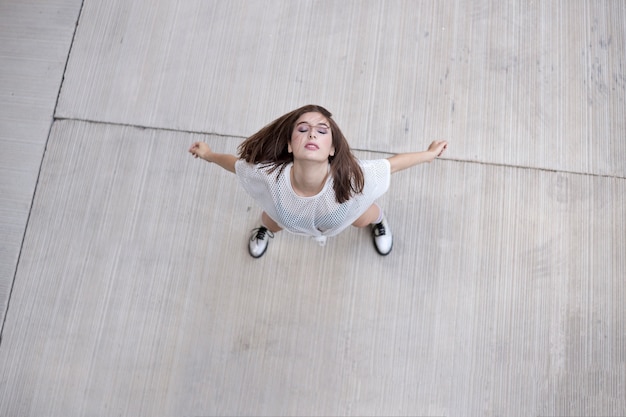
point(311, 146)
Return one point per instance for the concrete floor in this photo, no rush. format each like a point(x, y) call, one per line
point(125, 283)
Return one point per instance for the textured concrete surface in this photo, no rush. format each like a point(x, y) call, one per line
point(132, 292)
point(35, 38)
point(539, 85)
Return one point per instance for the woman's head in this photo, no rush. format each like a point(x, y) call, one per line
point(311, 139)
point(273, 145)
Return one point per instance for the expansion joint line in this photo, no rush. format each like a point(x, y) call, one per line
point(383, 154)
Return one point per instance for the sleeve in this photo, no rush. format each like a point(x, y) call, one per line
point(243, 169)
point(257, 183)
point(377, 174)
point(250, 178)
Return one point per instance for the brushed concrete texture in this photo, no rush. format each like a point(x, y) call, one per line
point(536, 84)
point(35, 39)
point(135, 294)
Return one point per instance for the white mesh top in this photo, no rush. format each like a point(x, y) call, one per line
point(318, 216)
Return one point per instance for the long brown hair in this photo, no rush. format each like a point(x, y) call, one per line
point(268, 147)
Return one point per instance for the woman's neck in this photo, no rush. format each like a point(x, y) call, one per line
point(308, 179)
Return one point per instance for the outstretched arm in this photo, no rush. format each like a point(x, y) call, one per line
point(408, 160)
point(202, 150)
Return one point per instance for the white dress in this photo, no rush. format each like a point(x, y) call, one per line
point(319, 216)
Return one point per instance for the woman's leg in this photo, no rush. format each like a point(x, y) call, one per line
point(372, 215)
point(383, 240)
point(261, 236)
point(271, 225)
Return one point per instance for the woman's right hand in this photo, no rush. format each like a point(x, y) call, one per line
point(200, 150)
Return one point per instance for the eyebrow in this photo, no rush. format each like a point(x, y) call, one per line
point(319, 124)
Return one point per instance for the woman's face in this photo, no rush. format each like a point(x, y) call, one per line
point(311, 139)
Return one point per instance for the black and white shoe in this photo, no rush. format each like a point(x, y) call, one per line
point(383, 241)
point(259, 239)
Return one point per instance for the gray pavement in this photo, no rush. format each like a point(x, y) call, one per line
point(125, 283)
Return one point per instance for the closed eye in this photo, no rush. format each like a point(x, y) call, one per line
point(304, 127)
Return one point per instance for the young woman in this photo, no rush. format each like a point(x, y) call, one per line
point(301, 171)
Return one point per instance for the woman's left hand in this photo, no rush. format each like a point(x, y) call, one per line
point(437, 147)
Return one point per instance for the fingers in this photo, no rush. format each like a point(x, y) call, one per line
point(438, 147)
point(444, 146)
point(194, 149)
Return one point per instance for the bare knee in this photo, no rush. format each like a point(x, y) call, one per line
point(369, 217)
point(360, 223)
point(270, 223)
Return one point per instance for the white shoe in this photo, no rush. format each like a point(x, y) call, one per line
point(383, 241)
point(259, 240)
